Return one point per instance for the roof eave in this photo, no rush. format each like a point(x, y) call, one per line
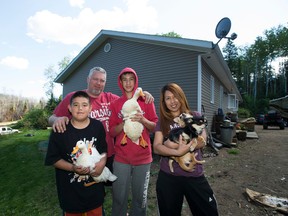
point(182, 43)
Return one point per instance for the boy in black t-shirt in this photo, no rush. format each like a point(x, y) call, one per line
point(75, 197)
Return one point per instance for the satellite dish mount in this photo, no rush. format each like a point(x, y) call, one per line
point(222, 29)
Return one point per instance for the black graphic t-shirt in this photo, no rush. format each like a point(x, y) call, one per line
point(73, 195)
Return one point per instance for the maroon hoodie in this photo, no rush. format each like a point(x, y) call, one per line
point(131, 153)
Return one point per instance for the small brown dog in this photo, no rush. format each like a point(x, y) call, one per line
point(190, 128)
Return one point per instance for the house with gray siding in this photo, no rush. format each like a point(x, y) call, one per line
point(196, 65)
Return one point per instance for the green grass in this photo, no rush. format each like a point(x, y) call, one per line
point(233, 151)
point(27, 186)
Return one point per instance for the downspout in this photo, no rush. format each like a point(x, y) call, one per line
point(199, 86)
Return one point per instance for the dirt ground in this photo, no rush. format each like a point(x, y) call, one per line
point(257, 164)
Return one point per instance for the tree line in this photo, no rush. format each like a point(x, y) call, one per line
point(253, 68)
point(13, 108)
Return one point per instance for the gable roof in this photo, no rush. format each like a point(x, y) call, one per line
point(211, 55)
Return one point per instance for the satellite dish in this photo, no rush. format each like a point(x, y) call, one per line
point(223, 28)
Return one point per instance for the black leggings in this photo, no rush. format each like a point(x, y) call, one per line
point(171, 191)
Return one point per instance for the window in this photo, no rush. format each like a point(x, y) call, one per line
point(231, 101)
point(221, 92)
point(211, 89)
point(237, 104)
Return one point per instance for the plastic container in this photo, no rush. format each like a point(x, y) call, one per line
point(226, 123)
point(226, 134)
point(220, 112)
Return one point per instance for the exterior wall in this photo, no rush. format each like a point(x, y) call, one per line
point(155, 66)
point(211, 109)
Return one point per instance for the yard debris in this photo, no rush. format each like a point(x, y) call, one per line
point(278, 203)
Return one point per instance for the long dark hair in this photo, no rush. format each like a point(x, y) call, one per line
point(166, 116)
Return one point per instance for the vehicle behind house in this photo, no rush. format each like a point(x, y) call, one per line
point(8, 130)
point(281, 106)
point(259, 119)
point(273, 118)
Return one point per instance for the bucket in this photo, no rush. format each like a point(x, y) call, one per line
point(226, 134)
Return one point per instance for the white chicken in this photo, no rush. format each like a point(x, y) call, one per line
point(87, 157)
point(133, 129)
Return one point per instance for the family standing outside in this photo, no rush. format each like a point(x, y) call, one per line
point(132, 162)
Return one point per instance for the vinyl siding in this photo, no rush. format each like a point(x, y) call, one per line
point(209, 107)
point(212, 108)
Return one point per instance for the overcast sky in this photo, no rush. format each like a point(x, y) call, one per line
point(39, 34)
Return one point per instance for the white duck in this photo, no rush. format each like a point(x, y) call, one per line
point(133, 129)
point(87, 157)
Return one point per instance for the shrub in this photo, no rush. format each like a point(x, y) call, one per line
point(243, 113)
point(36, 119)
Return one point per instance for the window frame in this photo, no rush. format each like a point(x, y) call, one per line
point(232, 104)
point(212, 90)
